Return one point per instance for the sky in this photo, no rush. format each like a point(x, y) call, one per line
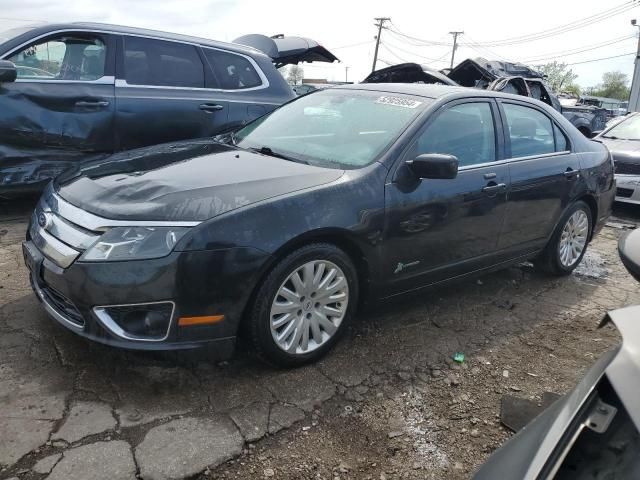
point(418, 32)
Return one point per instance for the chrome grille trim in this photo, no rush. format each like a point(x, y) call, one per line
point(70, 234)
point(52, 248)
point(95, 223)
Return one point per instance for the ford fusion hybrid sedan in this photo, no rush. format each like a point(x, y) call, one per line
point(283, 229)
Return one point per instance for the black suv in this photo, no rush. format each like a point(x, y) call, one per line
point(81, 91)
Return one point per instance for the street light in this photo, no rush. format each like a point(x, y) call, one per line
point(634, 97)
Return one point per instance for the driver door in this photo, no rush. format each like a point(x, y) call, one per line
point(440, 229)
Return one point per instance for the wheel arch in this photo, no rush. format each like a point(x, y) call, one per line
point(593, 206)
point(340, 238)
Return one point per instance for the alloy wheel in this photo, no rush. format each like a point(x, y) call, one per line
point(309, 307)
point(574, 238)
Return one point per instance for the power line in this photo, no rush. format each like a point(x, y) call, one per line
point(603, 58)
point(558, 30)
point(386, 43)
point(566, 53)
point(352, 45)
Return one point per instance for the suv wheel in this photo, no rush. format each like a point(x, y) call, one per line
point(303, 306)
point(569, 241)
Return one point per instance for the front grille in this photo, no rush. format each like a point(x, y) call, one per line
point(624, 192)
point(624, 168)
point(62, 305)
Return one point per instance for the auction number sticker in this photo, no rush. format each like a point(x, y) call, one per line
point(398, 102)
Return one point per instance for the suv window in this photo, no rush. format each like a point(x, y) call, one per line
point(67, 57)
point(162, 63)
point(232, 71)
point(530, 131)
point(466, 131)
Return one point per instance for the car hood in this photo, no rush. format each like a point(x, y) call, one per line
point(186, 181)
point(625, 150)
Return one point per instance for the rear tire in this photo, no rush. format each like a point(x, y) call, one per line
point(569, 241)
point(303, 306)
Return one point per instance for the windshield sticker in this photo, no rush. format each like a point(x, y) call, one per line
point(398, 102)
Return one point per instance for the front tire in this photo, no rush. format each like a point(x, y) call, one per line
point(567, 246)
point(303, 306)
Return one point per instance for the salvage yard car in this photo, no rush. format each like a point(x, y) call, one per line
point(623, 140)
point(498, 76)
point(354, 192)
point(82, 91)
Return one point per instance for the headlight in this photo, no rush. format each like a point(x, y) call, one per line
point(133, 243)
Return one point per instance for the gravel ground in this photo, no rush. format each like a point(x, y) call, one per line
point(389, 402)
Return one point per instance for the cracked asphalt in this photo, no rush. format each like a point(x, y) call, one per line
point(387, 403)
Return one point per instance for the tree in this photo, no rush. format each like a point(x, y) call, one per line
point(295, 74)
point(614, 85)
point(559, 77)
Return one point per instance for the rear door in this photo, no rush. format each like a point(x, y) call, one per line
point(439, 229)
point(162, 94)
point(545, 176)
point(239, 80)
point(61, 107)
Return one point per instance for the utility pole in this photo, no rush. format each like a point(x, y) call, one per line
point(380, 26)
point(346, 74)
point(455, 45)
point(634, 97)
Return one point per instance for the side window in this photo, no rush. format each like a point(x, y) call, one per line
point(233, 72)
point(67, 57)
point(562, 144)
point(530, 131)
point(466, 131)
point(162, 63)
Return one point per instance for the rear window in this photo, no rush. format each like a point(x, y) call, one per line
point(232, 72)
point(162, 63)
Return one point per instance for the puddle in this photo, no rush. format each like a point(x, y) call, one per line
point(592, 266)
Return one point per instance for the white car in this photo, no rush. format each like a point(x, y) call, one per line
point(623, 140)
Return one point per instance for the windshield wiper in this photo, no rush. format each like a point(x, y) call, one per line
point(268, 151)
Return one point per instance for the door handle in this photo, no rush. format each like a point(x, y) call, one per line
point(571, 173)
point(494, 188)
point(92, 104)
point(211, 107)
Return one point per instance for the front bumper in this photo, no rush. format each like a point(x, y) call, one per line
point(628, 188)
point(200, 283)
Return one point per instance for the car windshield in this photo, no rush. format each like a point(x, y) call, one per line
point(628, 129)
point(7, 35)
point(333, 128)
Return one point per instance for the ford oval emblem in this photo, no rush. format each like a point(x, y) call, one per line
point(43, 220)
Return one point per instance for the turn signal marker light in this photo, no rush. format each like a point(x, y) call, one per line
point(206, 320)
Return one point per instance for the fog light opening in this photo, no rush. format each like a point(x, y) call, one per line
point(144, 322)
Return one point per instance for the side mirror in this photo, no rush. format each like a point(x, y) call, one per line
point(434, 165)
point(595, 133)
point(8, 72)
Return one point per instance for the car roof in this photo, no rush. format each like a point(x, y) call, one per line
point(435, 91)
point(125, 30)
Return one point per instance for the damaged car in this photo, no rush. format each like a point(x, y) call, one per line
point(497, 76)
point(351, 193)
point(82, 91)
point(593, 432)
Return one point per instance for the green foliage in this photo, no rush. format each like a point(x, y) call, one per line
point(559, 77)
point(614, 85)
